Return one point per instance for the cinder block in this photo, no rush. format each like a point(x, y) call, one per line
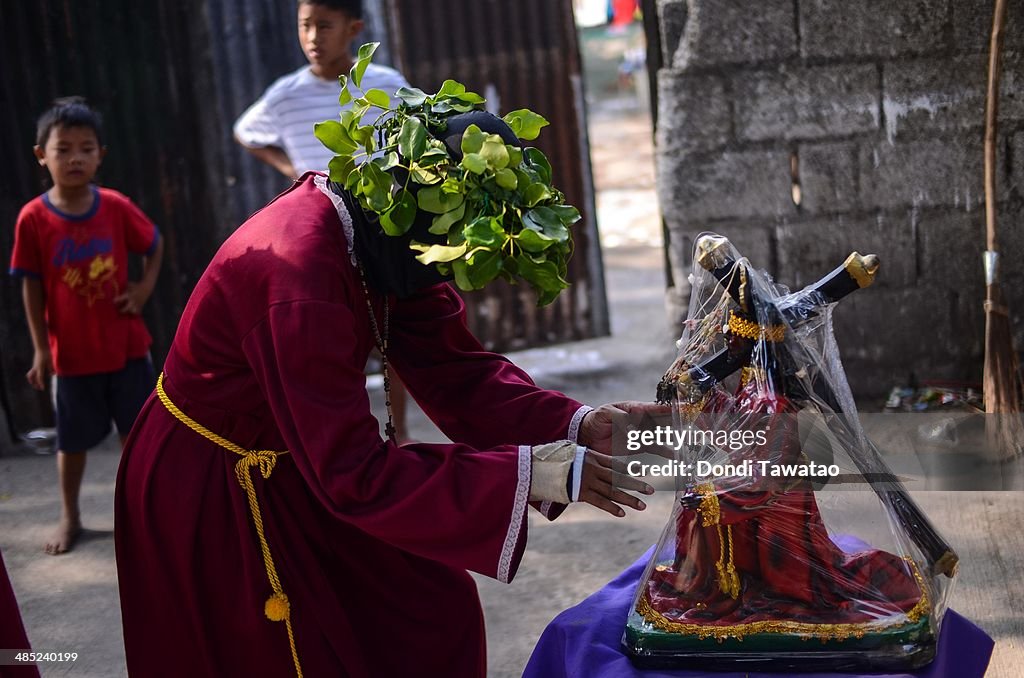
point(1010, 240)
point(869, 28)
point(1015, 164)
point(722, 185)
point(885, 336)
point(672, 23)
point(923, 173)
point(950, 243)
point(729, 32)
point(693, 112)
point(922, 95)
point(811, 249)
point(828, 177)
point(807, 103)
point(751, 238)
point(972, 26)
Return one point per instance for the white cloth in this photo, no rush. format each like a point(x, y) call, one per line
point(284, 116)
point(552, 464)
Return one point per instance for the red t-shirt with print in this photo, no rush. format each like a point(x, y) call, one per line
point(82, 261)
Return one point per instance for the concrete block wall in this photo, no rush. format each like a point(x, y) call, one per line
point(874, 112)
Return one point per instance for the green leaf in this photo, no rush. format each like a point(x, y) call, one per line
point(451, 88)
point(376, 186)
point(483, 267)
point(399, 219)
point(340, 167)
point(363, 135)
point(362, 61)
point(494, 152)
point(461, 275)
point(433, 156)
point(443, 222)
point(533, 241)
point(474, 162)
point(443, 106)
point(540, 163)
point(436, 201)
point(391, 160)
point(544, 220)
point(543, 276)
point(433, 254)
point(472, 98)
point(427, 176)
point(567, 214)
point(515, 155)
point(506, 178)
point(334, 136)
point(359, 109)
point(378, 98)
point(525, 123)
point(349, 120)
point(412, 140)
point(472, 140)
point(345, 98)
point(411, 96)
point(536, 193)
point(485, 232)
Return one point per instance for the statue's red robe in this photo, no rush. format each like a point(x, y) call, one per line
point(770, 530)
point(372, 541)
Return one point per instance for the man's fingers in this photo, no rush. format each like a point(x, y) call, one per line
point(614, 471)
point(595, 499)
point(626, 499)
point(628, 482)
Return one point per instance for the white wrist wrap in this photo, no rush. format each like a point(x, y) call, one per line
point(551, 466)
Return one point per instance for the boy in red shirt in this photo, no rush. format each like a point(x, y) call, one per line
point(71, 250)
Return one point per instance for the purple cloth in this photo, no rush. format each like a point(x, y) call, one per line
point(584, 641)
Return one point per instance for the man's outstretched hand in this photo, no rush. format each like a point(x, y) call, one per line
point(603, 481)
point(605, 428)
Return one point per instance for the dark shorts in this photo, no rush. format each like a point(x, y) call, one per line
point(87, 404)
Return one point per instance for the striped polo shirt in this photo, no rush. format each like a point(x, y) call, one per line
point(284, 116)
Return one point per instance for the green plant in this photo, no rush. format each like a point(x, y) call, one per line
point(495, 208)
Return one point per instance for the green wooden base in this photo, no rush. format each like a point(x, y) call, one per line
point(645, 637)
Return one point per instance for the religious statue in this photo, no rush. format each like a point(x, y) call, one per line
point(769, 559)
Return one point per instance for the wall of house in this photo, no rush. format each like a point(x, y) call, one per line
point(806, 129)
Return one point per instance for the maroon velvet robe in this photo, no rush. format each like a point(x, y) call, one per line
point(12, 631)
point(371, 540)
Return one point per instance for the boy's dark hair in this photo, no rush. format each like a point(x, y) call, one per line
point(354, 8)
point(68, 112)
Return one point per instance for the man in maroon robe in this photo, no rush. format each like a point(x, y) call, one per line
point(368, 543)
point(12, 631)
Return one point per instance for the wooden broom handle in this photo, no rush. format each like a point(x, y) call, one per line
point(991, 117)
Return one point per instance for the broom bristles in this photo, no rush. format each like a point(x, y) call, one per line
point(1004, 429)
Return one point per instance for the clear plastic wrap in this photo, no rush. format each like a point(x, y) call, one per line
point(790, 546)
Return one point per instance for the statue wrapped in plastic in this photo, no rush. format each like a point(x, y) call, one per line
point(791, 546)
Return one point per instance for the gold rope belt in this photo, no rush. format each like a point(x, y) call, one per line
point(277, 607)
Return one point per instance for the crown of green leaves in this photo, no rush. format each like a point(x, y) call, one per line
point(495, 208)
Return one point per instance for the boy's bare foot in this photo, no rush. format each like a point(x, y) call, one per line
point(64, 537)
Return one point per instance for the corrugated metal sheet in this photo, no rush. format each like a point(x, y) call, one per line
point(171, 76)
point(517, 54)
point(127, 59)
